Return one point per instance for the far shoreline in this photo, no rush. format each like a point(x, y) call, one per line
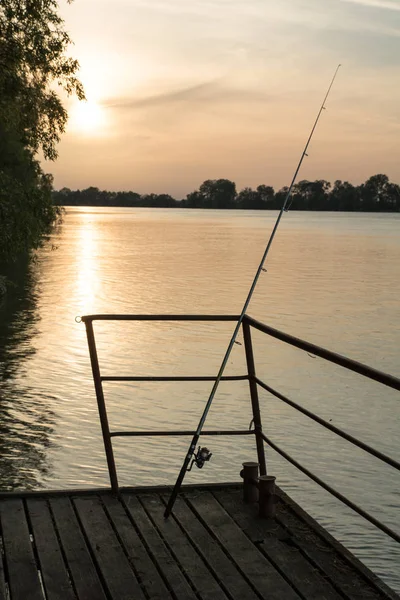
point(233, 209)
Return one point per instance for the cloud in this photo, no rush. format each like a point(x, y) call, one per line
point(201, 88)
point(209, 91)
point(385, 4)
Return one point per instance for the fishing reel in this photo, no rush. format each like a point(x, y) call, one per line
point(200, 457)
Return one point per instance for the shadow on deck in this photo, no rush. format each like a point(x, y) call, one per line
point(93, 546)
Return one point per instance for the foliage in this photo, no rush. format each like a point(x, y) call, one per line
point(214, 193)
point(27, 210)
point(379, 194)
point(310, 195)
point(262, 198)
point(32, 58)
point(92, 196)
point(344, 196)
point(32, 61)
point(376, 194)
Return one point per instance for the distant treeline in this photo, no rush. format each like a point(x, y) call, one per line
point(375, 195)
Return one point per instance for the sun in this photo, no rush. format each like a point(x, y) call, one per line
point(87, 117)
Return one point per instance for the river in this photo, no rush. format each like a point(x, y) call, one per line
point(332, 279)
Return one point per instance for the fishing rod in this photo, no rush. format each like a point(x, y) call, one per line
point(203, 455)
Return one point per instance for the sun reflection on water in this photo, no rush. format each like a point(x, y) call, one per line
point(88, 278)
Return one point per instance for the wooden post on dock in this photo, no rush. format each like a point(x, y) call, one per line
point(267, 496)
point(250, 478)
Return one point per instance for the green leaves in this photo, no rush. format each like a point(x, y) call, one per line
point(33, 47)
point(26, 207)
point(33, 62)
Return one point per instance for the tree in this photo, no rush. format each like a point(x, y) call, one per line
point(267, 197)
point(344, 196)
point(310, 195)
point(378, 194)
point(280, 196)
point(193, 200)
point(260, 199)
point(248, 199)
point(158, 201)
point(213, 193)
point(33, 43)
point(127, 199)
point(26, 207)
point(218, 193)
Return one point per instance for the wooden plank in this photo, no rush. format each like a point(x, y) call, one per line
point(223, 568)
point(83, 572)
point(366, 574)
point(23, 574)
point(49, 494)
point(267, 581)
point(146, 571)
point(270, 538)
point(202, 579)
point(2, 576)
point(113, 564)
point(106, 490)
point(158, 550)
point(343, 576)
point(55, 577)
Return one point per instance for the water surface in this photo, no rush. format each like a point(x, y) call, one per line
point(333, 279)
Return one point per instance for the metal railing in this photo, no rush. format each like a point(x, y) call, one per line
point(254, 383)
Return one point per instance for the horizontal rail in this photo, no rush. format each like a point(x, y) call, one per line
point(100, 317)
point(395, 536)
point(175, 433)
point(174, 378)
point(387, 459)
point(323, 353)
point(339, 359)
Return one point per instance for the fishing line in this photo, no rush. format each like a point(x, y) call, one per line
point(202, 454)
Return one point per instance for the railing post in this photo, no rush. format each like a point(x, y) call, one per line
point(254, 396)
point(101, 406)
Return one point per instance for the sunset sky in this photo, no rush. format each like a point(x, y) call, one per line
point(180, 91)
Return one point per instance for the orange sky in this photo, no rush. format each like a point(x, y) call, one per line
point(185, 90)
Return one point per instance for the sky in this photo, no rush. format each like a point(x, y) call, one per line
point(179, 91)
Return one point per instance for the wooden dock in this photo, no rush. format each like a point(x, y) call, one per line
point(94, 546)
